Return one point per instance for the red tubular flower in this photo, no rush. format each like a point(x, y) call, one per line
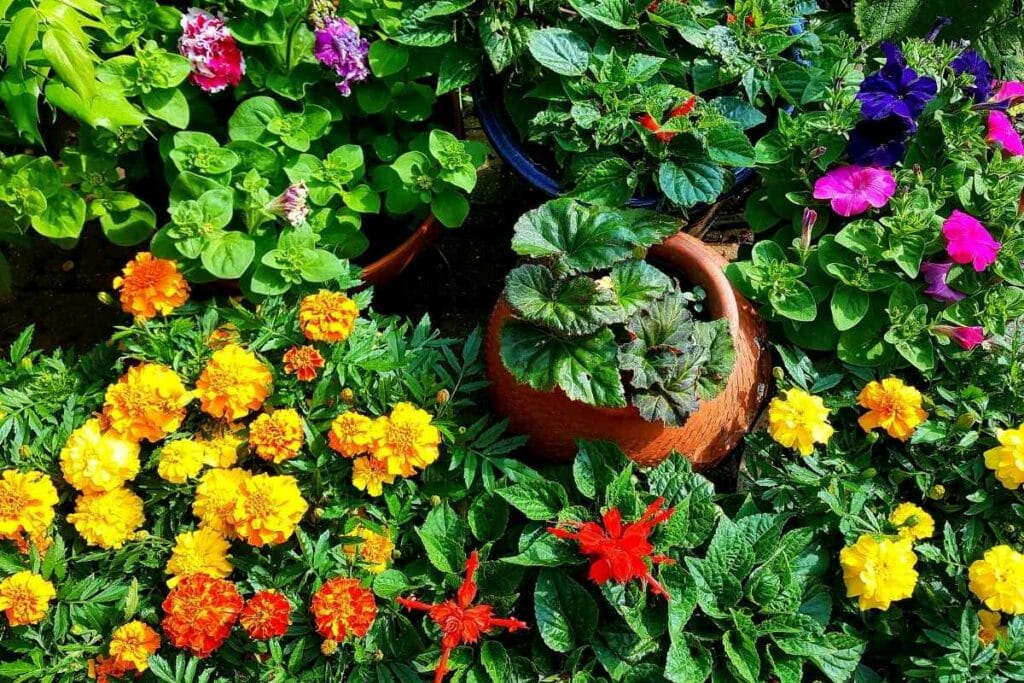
point(461, 622)
point(267, 614)
point(620, 551)
point(648, 122)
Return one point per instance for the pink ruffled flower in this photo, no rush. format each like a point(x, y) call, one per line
point(211, 49)
point(854, 189)
point(967, 241)
point(1001, 132)
point(966, 337)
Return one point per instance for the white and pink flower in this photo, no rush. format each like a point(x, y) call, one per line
point(211, 49)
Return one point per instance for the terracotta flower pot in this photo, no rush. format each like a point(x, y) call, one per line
point(553, 421)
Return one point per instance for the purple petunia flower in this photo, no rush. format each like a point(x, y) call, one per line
point(339, 46)
point(880, 142)
point(896, 89)
point(970, 62)
point(935, 277)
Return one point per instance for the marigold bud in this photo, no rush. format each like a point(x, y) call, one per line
point(965, 421)
point(67, 266)
point(937, 492)
point(25, 451)
point(442, 396)
point(347, 395)
point(328, 647)
point(778, 374)
point(435, 500)
point(26, 363)
point(318, 513)
point(105, 298)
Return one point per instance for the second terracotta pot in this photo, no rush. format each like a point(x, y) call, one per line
point(553, 421)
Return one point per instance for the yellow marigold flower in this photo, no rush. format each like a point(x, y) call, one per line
point(148, 402)
point(991, 626)
point(151, 286)
point(878, 572)
point(216, 495)
point(351, 434)
point(132, 644)
point(799, 421)
point(893, 406)
point(268, 509)
point(203, 551)
point(375, 549)
point(914, 523)
point(233, 383)
point(94, 460)
point(220, 449)
point(25, 597)
point(406, 440)
point(277, 436)
point(109, 519)
point(327, 316)
point(181, 460)
point(1007, 459)
point(27, 500)
point(998, 579)
point(370, 474)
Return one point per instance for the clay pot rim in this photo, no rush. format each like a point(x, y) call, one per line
point(705, 269)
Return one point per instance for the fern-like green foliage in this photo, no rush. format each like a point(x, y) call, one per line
point(606, 327)
point(879, 20)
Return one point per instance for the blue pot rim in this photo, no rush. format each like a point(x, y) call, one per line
point(501, 133)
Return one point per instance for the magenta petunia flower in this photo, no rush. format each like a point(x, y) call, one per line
point(339, 47)
point(211, 49)
point(1008, 90)
point(1001, 132)
point(935, 277)
point(966, 337)
point(967, 241)
point(854, 189)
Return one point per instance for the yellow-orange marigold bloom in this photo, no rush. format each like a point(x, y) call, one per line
point(406, 440)
point(277, 436)
point(799, 421)
point(27, 500)
point(998, 579)
point(233, 383)
point(199, 613)
point(25, 597)
point(132, 644)
point(1007, 459)
point(370, 475)
point(893, 406)
point(108, 519)
point(216, 495)
point(94, 460)
point(878, 572)
point(268, 509)
point(148, 402)
point(991, 626)
point(267, 614)
point(221, 447)
point(913, 522)
point(151, 286)
point(342, 607)
point(222, 336)
point(351, 434)
point(375, 549)
point(181, 460)
point(303, 362)
point(327, 316)
point(203, 551)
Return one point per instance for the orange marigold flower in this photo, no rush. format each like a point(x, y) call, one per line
point(266, 615)
point(327, 316)
point(233, 383)
point(303, 362)
point(892, 406)
point(132, 644)
point(148, 402)
point(277, 436)
point(151, 286)
point(25, 598)
point(106, 669)
point(199, 613)
point(370, 475)
point(351, 434)
point(341, 607)
point(222, 336)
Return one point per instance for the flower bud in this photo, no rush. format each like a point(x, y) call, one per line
point(105, 298)
point(26, 363)
point(965, 421)
point(870, 473)
point(937, 492)
point(435, 501)
point(25, 451)
point(810, 217)
point(67, 266)
point(778, 373)
point(328, 647)
point(347, 395)
point(817, 152)
point(443, 396)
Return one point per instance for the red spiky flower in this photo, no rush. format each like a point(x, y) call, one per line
point(461, 622)
point(648, 122)
point(619, 552)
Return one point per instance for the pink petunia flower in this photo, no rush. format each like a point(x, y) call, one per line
point(1001, 132)
point(967, 241)
point(966, 337)
point(1009, 90)
point(211, 49)
point(854, 189)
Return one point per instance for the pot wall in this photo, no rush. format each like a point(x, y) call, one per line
point(553, 421)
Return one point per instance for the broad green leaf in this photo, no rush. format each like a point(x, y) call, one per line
point(21, 36)
point(566, 614)
point(849, 306)
point(227, 255)
point(168, 105)
point(609, 183)
point(537, 499)
point(573, 306)
point(617, 14)
point(638, 284)
point(691, 183)
point(251, 118)
point(386, 58)
point(71, 60)
point(560, 50)
point(729, 146)
point(450, 207)
point(443, 536)
point(579, 237)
